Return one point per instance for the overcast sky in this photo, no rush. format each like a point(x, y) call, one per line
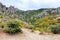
point(31, 4)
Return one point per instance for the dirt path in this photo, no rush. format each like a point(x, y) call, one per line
point(27, 35)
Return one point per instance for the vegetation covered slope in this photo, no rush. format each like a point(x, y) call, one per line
point(40, 19)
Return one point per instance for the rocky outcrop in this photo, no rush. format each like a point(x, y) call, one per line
point(10, 9)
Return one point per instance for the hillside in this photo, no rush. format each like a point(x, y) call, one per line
point(34, 19)
point(29, 15)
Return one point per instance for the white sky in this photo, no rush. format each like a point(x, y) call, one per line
point(31, 4)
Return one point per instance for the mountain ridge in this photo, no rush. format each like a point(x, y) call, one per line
point(28, 15)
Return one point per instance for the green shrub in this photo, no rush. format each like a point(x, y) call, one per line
point(2, 25)
point(12, 27)
point(43, 24)
point(55, 29)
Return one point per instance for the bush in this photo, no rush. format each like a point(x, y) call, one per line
point(2, 24)
point(55, 29)
point(43, 24)
point(12, 26)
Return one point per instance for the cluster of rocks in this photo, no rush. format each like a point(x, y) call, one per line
point(10, 9)
point(49, 11)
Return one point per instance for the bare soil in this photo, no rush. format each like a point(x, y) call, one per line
point(27, 35)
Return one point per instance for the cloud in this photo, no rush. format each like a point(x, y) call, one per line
point(31, 4)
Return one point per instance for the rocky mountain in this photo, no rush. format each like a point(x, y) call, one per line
point(29, 15)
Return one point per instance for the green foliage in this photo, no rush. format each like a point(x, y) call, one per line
point(13, 26)
point(30, 19)
point(58, 20)
point(2, 25)
point(44, 23)
point(55, 29)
